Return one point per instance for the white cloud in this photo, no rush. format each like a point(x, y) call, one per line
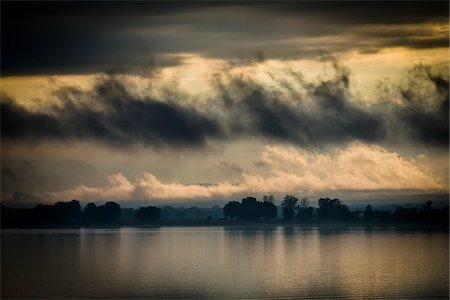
point(358, 166)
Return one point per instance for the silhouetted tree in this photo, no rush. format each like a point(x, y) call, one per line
point(429, 215)
point(368, 213)
point(168, 212)
point(90, 212)
point(268, 210)
point(304, 211)
point(405, 214)
point(58, 214)
point(442, 215)
point(288, 206)
point(68, 213)
point(71, 210)
point(181, 214)
point(193, 212)
point(268, 198)
point(427, 206)
point(109, 212)
point(127, 215)
point(426, 212)
point(148, 214)
point(232, 210)
point(6, 215)
point(333, 210)
point(250, 209)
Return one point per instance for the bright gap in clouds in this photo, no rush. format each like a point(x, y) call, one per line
point(194, 73)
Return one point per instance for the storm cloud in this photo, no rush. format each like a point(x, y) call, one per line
point(307, 113)
point(316, 112)
point(84, 37)
point(422, 115)
point(112, 115)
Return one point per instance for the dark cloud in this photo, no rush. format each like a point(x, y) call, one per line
point(331, 115)
point(29, 175)
point(20, 200)
point(330, 118)
point(324, 113)
point(113, 115)
point(424, 115)
point(85, 37)
point(16, 121)
point(368, 12)
point(428, 127)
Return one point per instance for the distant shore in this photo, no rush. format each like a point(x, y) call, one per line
point(249, 213)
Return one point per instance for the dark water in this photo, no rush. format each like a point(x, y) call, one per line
point(215, 262)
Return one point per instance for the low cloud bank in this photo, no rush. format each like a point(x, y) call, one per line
point(285, 169)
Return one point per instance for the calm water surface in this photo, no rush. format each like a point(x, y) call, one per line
point(216, 262)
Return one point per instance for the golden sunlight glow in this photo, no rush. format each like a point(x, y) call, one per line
point(195, 73)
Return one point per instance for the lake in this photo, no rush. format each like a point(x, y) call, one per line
point(220, 262)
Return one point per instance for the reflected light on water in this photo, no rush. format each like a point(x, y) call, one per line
point(216, 262)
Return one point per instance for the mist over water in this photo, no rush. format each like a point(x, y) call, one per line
point(221, 262)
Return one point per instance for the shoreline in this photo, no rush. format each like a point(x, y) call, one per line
point(251, 225)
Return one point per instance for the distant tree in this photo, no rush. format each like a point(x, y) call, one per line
point(109, 212)
point(148, 214)
point(304, 211)
point(215, 212)
point(268, 210)
point(427, 206)
point(4, 215)
point(333, 210)
point(405, 214)
point(127, 215)
point(268, 198)
point(428, 214)
point(90, 212)
point(368, 213)
point(250, 209)
point(181, 213)
point(168, 212)
point(442, 215)
point(72, 211)
point(232, 210)
point(288, 206)
point(59, 213)
point(193, 212)
point(304, 202)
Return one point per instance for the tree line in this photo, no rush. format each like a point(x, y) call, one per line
point(71, 214)
point(250, 209)
point(291, 208)
point(330, 210)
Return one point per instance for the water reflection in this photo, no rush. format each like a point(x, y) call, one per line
point(214, 262)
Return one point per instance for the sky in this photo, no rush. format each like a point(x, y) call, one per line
point(204, 102)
